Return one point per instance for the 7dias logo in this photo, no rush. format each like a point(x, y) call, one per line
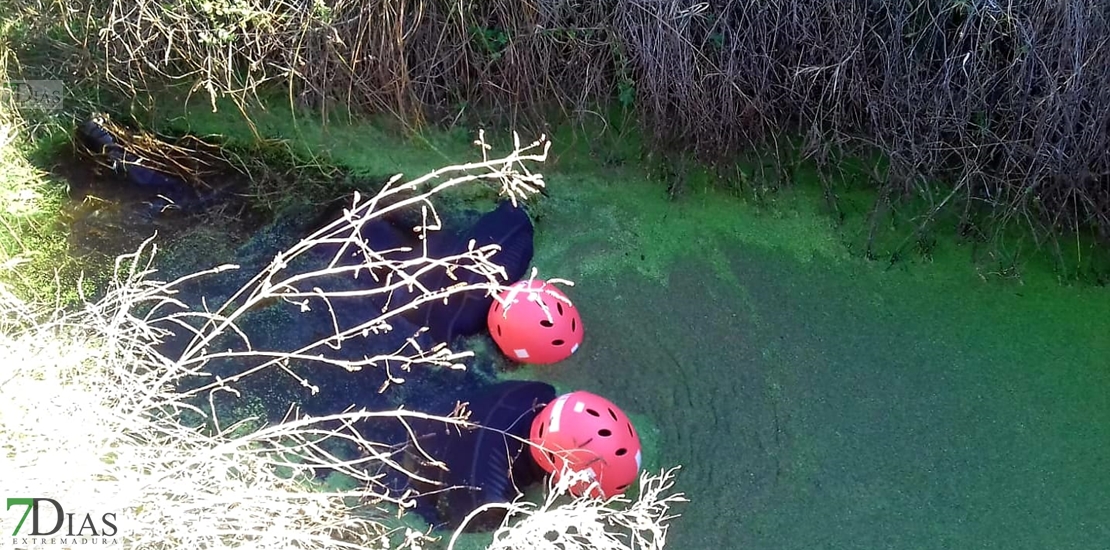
point(51, 524)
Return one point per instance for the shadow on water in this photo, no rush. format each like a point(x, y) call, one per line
point(109, 216)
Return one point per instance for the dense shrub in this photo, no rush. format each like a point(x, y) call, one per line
point(996, 110)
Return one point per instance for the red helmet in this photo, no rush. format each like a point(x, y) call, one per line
point(581, 430)
point(533, 322)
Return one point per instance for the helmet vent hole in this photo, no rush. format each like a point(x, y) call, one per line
point(559, 306)
point(630, 432)
point(622, 487)
point(550, 456)
point(497, 306)
point(613, 414)
point(499, 330)
point(622, 451)
point(557, 342)
point(573, 325)
point(604, 432)
point(546, 323)
point(542, 429)
point(592, 412)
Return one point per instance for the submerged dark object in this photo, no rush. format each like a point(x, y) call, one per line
point(100, 140)
point(381, 234)
point(465, 313)
point(489, 464)
point(168, 191)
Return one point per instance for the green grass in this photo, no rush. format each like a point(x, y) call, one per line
point(369, 150)
point(299, 153)
point(588, 167)
point(35, 259)
point(33, 242)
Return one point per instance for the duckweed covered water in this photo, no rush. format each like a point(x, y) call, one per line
point(819, 402)
point(815, 400)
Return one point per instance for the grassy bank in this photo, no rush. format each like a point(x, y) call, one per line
point(912, 120)
point(33, 259)
point(974, 112)
point(611, 163)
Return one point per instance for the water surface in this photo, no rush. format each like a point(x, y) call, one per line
point(817, 401)
point(814, 399)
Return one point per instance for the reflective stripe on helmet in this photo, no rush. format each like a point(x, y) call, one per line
point(556, 413)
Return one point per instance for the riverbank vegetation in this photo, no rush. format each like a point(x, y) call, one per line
point(910, 121)
point(985, 118)
point(978, 121)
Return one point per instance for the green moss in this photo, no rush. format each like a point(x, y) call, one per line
point(340, 482)
point(200, 247)
point(620, 221)
point(247, 414)
point(648, 430)
point(366, 149)
point(590, 168)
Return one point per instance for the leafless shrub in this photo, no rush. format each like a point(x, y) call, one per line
point(993, 110)
point(94, 409)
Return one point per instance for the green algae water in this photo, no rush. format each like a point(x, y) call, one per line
point(813, 399)
point(818, 402)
